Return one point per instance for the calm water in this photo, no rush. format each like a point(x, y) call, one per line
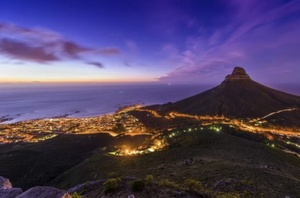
point(23, 102)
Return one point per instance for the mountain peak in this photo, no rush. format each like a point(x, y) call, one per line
point(238, 73)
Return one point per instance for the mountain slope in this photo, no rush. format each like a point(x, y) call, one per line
point(237, 96)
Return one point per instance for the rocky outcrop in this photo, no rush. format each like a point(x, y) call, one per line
point(44, 192)
point(5, 183)
point(7, 191)
point(80, 187)
point(238, 73)
point(10, 193)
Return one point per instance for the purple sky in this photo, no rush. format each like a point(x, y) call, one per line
point(172, 41)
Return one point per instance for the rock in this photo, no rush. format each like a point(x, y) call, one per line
point(5, 183)
point(219, 184)
point(10, 193)
point(238, 73)
point(224, 184)
point(80, 187)
point(44, 192)
point(179, 193)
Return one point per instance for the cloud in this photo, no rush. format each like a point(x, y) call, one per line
point(72, 49)
point(109, 51)
point(127, 63)
point(29, 33)
point(259, 36)
point(23, 51)
point(97, 64)
point(42, 45)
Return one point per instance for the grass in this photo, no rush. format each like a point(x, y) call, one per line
point(32, 164)
point(204, 156)
point(27, 165)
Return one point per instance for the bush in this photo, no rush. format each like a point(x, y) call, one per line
point(113, 175)
point(193, 185)
point(76, 195)
point(168, 183)
point(111, 184)
point(137, 185)
point(149, 178)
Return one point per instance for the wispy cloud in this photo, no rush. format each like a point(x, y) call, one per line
point(97, 64)
point(23, 51)
point(43, 45)
point(258, 35)
point(109, 51)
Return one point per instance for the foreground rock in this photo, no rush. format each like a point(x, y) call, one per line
point(7, 190)
point(5, 183)
point(10, 193)
point(44, 192)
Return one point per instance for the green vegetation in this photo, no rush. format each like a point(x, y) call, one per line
point(111, 185)
point(149, 178)
point(76, 195)
point(168, 183)
point(193, 185)
point(239, 165)
point(36, 164)
point(137, 185)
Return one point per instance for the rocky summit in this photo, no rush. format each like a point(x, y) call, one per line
point(238, 73)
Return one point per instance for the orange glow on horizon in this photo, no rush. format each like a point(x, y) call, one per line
point(25, 80)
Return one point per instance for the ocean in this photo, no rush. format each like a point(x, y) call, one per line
point(33, 101)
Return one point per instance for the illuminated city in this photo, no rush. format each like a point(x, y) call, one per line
point(123, 122)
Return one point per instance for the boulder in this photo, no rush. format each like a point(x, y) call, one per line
point(44, 192)
point(5, 183)
point(10, 193)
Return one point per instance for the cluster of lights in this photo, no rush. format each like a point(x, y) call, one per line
point(125, 151)
point(154, 113)
point(158, 144)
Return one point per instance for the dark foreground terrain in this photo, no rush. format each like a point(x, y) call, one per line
point(224, 163)
point(31, 164)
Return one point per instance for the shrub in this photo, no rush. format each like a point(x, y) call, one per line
point(137, 185)
point(168, 183)
point(193, 185)
point(149, 178)
point(76, 195)
point(111, 184)
point(113, 175)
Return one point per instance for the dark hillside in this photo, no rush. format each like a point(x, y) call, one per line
point(33, 164)
point(237, 96)
point(207, 156)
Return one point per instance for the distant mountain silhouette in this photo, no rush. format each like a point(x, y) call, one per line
point(237, 96)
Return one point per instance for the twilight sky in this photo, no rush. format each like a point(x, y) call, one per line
point(172, 41)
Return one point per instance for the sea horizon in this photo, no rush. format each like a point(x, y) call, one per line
point(20, 102)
